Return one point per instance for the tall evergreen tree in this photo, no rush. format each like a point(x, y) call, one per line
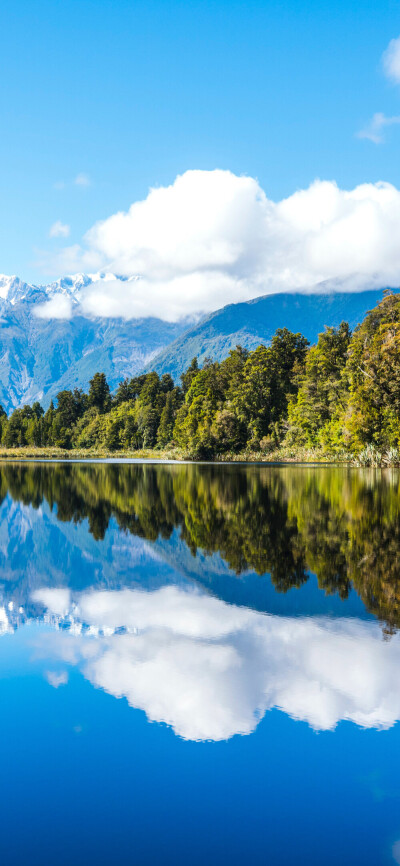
point(99, 393)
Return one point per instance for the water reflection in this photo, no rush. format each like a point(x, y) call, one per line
point(132, 566)
point(340, 524)
point(215, 600)
point(212, 670)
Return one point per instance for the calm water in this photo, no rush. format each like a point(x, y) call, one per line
point(199, 665)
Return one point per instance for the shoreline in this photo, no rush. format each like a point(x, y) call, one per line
point(279, 456)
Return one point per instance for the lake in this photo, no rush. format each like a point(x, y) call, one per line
point(199, 664)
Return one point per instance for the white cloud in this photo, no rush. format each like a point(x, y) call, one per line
point(59, 230)
point(212, 670)
point(82, 180)
point(374, 130)
point(57, 600)
point(56, 678)
point(213, 238)
point(58, 307)
point(391, 60)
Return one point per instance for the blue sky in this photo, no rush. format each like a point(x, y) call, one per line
point(131, 94)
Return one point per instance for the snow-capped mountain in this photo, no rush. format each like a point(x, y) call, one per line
point(13, 290)
point(41, 353)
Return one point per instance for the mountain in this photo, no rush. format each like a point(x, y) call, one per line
point(39, 357)
point(255, 322)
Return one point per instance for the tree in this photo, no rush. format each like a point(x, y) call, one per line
point(71, 406)
point(372, 413)
point(99, 393)
point(34, 431)
point(322, 391)
point(37, 410)
point(3, 420)
point(166, 425)
point(188, 376)
point(48, 424)
point(14, 431)
point(60, 435)
point(269, 379)
point(166, 383)
point(147, 423)
point(128, 433)
point(112, 436)
point(123, 393)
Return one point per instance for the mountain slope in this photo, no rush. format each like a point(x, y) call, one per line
point(255, 322)
point(40, 356)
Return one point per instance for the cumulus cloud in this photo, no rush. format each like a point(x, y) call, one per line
point(211, 670)
point(374, 130)
point(213, 238)
point(59, 230)
point(391, 60)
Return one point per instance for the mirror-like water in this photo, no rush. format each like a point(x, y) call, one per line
point(199, 664)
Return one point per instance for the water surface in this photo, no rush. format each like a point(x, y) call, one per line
point(199, 663)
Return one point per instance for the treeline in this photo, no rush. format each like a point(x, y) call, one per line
point(341, 394)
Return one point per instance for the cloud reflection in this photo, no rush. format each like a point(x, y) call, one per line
point(57, 678)
point(211, 670)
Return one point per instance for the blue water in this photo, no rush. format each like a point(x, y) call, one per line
point(163, 702)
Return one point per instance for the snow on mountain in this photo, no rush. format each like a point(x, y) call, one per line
point(13, 289)
point(74, 283)
point(42, 353)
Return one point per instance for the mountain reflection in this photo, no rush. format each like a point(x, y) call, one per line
point(340, 524)
point(211, 670)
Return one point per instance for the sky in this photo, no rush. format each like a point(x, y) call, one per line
point(103, 101)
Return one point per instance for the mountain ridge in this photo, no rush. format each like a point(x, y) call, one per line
point(42, 353)
point(251, 323)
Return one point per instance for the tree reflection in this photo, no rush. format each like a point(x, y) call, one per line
point(341, 524)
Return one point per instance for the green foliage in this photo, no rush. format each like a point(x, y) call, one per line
point(243, 399)
point(321, 390)
point(167, 420)
point(188, 377)
point(342, 394)
point(269, 380)
point(99, 393)
point(372, 414)
point(24, 427)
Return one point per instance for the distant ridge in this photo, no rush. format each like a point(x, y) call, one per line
point(255, 322)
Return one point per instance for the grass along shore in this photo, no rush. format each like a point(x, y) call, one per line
point(370, 456)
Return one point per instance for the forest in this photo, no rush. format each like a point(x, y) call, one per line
point(341, 395)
